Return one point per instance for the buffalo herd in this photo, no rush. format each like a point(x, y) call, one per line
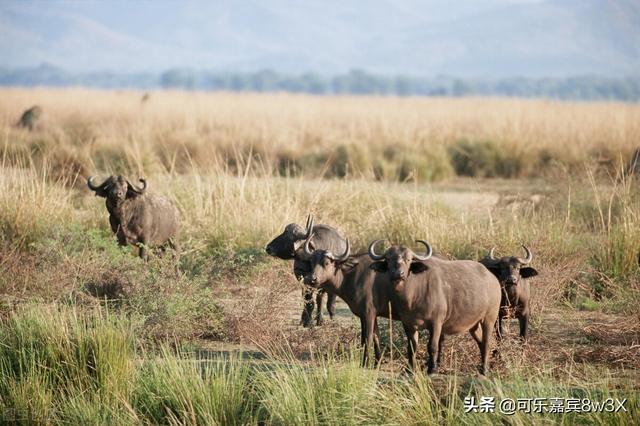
point(424, 291)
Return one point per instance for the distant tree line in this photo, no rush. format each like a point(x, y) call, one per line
point(356, 82)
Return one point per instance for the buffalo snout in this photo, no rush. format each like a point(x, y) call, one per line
point(511, 279)
point(311, 280)
point(398, 275)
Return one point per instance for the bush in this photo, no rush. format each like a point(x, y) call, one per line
point(349, 160)
point(429, 166)
point(407, 164)
point(484, 159)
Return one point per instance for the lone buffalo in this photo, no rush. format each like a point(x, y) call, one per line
point(31, 119)
point(442, 296)
point(136, 217)
point(290, 245)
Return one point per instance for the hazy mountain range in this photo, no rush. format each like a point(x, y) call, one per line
point(467, 39)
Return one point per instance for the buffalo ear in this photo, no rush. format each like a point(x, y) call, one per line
point(379, 266)
point(131, 193)
point(298, 244)
point(495, 270)
point(528, 272)
point(418, 267)
point(100, 192)
point(348, 264)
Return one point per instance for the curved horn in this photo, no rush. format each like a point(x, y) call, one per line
point(344, 256)
point(95, 187)
point(307, 250)
point(491, 253)
point(309, 226)
point(427, 253)
point(529, 257)
point(372, 252)
point(141, 190)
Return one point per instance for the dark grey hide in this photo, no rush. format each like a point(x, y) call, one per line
point(365, 291)
point(442, 296)
point(139, 218)
point(31, 119)
point(512, 272)
point(290, 245)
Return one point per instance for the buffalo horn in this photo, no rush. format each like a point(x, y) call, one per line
point(309, 227)
point(372, 251)
point(529, 257)
point(95, 187)
point(427, 253)
point(137, 190)
point(491, 253)
point(346, 253)
point(307, 250)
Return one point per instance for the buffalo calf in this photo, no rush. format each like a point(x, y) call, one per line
point(512, 272)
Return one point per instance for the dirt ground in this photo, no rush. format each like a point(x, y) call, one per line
point(265, 312)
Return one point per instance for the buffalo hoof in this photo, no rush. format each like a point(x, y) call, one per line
point(306, 323)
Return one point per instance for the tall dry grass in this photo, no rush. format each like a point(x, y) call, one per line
point(388, 138)
point(241, 167)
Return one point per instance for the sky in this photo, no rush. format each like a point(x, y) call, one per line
point(466, 38)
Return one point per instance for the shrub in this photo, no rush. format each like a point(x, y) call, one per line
point(349, 160)
point(428, 166)
point(484, 159)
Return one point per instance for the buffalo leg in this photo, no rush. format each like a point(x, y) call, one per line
point(412, 346)
point(370, 322)
point(308, 307)
point(331, 304)
point(440, 347)
point(365, 340)
point(176, 253)
point(500, 327)
point(370, 327)
point(434, 340)
point(477, 335)
point(144, 255)
point(319, 297)
point(524, 322)
point(376, 341)
point(484, 346)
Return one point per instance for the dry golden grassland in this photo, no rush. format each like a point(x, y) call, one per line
point(465, 174)
point(390, 138)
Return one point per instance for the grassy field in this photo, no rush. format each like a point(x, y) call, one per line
point(91, 334)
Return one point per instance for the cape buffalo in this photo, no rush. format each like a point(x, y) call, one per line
point(137, 217)
point(31, 119)
point(365, 291)
point(290, 245)
point(443, 296)
point(516, 291)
